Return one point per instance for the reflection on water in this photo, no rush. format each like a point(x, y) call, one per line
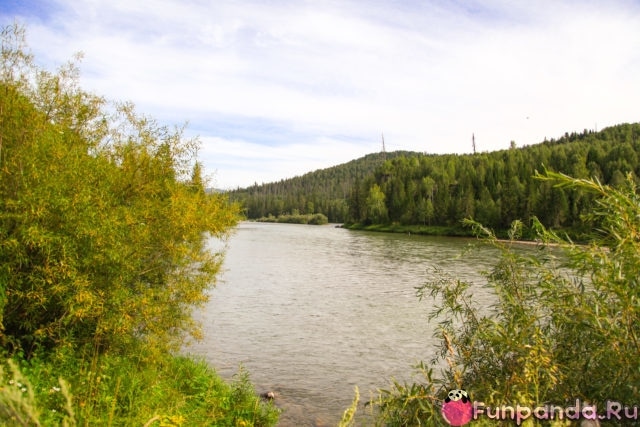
point(312, 311)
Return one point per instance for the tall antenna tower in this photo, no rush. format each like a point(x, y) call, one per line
point(384, 149)
point(473, 142)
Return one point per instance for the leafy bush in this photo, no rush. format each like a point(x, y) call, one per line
point(564, 325)
point(318, 219)
point(296, 218)
point(104, 219)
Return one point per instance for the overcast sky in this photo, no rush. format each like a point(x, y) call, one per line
point(275, 89)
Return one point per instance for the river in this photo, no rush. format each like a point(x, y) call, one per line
point(313, 311)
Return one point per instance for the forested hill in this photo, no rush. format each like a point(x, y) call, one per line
point(440, 190)
point(323, 191)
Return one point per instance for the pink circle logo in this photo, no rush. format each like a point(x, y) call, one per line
point(457, 409)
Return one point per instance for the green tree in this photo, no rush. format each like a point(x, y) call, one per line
point(104, 220)
point(561, 328)
point(376, 208)
point(103, 217)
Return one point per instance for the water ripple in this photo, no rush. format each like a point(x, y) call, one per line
point(312, 311)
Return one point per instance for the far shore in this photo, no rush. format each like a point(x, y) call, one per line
point(444, 231)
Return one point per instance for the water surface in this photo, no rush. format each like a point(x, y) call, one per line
point(312, 311)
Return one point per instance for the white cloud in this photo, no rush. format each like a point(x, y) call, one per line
point(280, 88)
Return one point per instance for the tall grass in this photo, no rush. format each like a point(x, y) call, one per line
point(111, 390)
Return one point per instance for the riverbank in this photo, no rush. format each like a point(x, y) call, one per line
point(426, 230)
point(134, 389)
point(577, 236)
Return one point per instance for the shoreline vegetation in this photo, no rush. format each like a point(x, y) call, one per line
point(104, 219)
point(425, 230)
point(296, 218)
point(528, 237)
point(517, 353)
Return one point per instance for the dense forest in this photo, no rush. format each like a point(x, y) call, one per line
point(494, 188)
point(324, 191)
point(547, 321)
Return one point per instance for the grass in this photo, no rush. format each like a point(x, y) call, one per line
point(112, 390)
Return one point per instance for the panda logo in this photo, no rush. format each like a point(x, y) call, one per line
point(457, 394)
point(457, 409)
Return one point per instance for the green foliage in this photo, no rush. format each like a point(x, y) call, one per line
point(296, 218)
point(172, 391)
point(499, 187)
point(430, 230)
point(102, 230)
point(376, 207)
point(564, 324)
point(104, 220)
point(409, 404)
point(495, 188)
point(348, 417)
point(17, 401)
point(20, 399)
point(326, 191)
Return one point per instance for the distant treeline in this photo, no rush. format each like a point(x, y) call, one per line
point(494, 188)
point(324, 191)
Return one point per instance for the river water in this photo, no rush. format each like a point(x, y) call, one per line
point(313, 311)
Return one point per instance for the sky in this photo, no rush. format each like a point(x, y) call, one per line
point(274, 89)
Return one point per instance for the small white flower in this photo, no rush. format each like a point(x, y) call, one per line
point(24, 389)
point(11, 382)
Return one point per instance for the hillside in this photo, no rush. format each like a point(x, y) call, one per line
point(323, 191)
point(495, 188)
